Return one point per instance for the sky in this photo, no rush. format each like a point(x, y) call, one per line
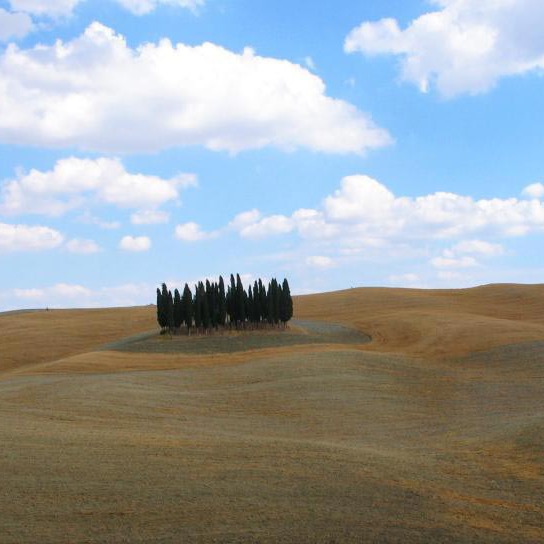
point(336, 143)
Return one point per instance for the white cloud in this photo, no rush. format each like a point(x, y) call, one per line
point(475, 247)
point(244, 219)
point(268, 226)
point(28, 293)
point(49, 8)
point(28, 238)
point(67, 290)
point(82, 246)
point(454, 262)
point(97, 93)
point(365, 221)
point(135, 243)
point(462, 47)
point(374, 211)
point(74, 182)
point(143, 7)
point(14, 25)
point(462, 254)
point(309, 62)
point(535, 190)
point(65, 8)
point(364, 213)
point(149, 217)
point(320, 261)
point(191, 232)
point(90, 219)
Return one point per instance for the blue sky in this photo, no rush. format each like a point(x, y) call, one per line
point(339, 144)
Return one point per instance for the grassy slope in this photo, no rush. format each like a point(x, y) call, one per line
point(435, 323)
point(309, 443)
point(30, 338)
point(423, 323)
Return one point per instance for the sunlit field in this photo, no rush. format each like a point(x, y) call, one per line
point(380, 415)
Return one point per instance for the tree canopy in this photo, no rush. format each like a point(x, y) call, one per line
point(210, 306)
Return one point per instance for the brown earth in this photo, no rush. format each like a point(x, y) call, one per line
point(435, 323)
point(433, 432)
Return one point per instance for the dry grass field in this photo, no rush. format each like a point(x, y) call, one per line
point(431, 432)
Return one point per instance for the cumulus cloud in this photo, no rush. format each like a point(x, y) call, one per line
point(75, 182)
point(364, 213)
point(320, 261)
point(84, 247)
point(143, 7)
point(97, 93)
point(475, 247)
point(68, 295)
point(454, 262)
point(463, 46)
point(149, 217)
point(535, 190)
point(28, 238)
point(192, 232)
point(65, 8)
point(464, 253)
point(14, 25)
point(135, 243)
point(49, 8)
point(375, 211)
point(267, 226)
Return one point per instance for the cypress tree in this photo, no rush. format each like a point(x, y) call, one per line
point(170, 314)
point(164, 307)
point(277, 300)
point(250, 305)
point(159, 308)
point(240, 300)
point(256, 303)
point(263, 301)
point(197, 304)
point(222, 303)
point(270, 303)
point(178, 310)
point(187, 303)
point(233, 310)
point(206, 322)
point(286, 303)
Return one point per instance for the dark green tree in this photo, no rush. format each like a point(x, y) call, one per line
point(206, 321)
point(170, 310)
point(270, 303)
point(286, 303)
point(178, 310)
point(263, 301)
point(240, 297)
point(277, 301)
point(163, 307)
point(256, 303)
point(197, 304)
point(222, 302)
point(159, 307)
point(187, 303)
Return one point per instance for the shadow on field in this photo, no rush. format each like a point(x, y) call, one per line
point(230, 341)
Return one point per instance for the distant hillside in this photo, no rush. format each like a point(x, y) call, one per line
point(416, 322)
point(434, 323)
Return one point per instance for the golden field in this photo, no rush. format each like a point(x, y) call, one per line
point(431, 432)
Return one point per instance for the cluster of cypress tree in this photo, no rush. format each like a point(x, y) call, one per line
point(211, 306)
